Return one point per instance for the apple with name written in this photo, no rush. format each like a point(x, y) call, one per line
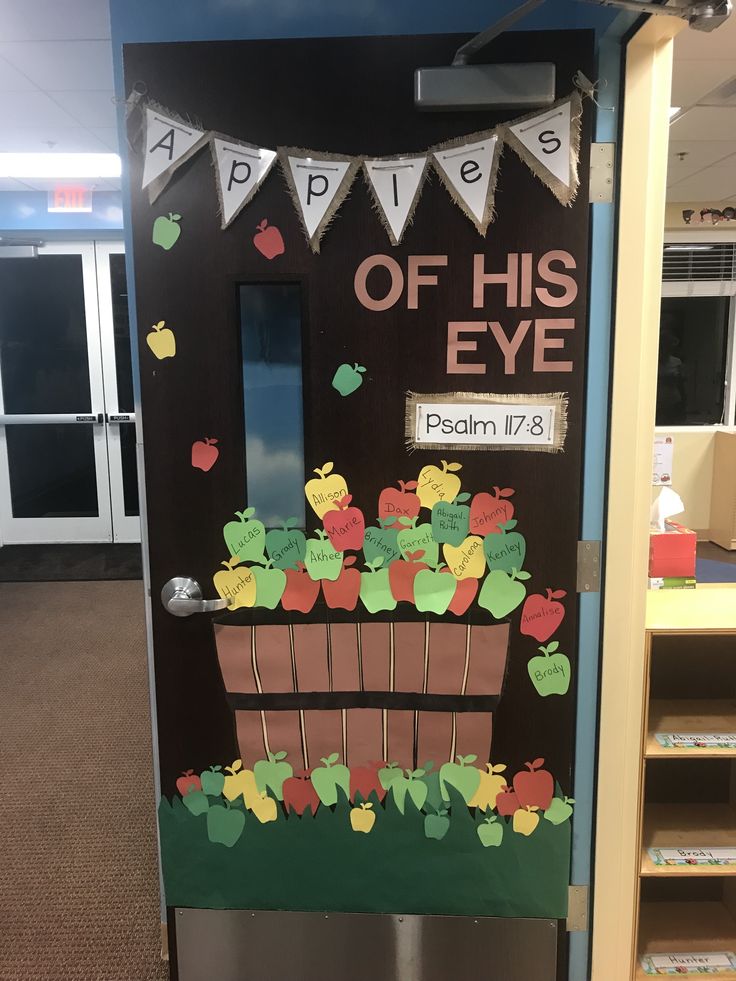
point(224, 824)
point(502, 592)
point(550, 673)
point(375, 587)
point(559, 810)
point(322, 560)
point(534, 785)
point(507, 803)
point(490, 832)
point(161, 341)
point(270, 585)
point(401, 575)
point(324, 489)
point(461, 775)
point(465, 592)
point(364, 781)
point(246, 537)
point(268, 240)
point(286, 545)
point(204, 453)
point(345, 525)
point(271, 773)
point(505, 549)
point(301, 590)
point(213, 780)
point(542, 615)
point(342, 593)
point(435, 485)
point(381, 542)
point(401, 502)
point(166, 231)
point(488, 511)
point(450, 522)
point(526, 819)
point(329, 778)
point(299, 794)
point(348, 378)
point(188, 781)
point(236, 585)
point(362, 818)
point(433, 591)
point(491, 784)
point(413, 537)
point(467, 560)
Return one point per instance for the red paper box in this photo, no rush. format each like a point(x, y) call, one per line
point(672, 551)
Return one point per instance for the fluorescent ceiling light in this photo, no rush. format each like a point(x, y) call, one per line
point(674, 111)
point(59, 165)
point(689, 248)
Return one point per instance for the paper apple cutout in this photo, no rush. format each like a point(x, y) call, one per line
point(534, 787)
point(322, 560)
point(550, 673)
point(225, 824)
point(490, 832)
point(465, 592)
point(381, 543)
point(166, 231)
point(204, 454)
point(542, 615)
point(507, 803)
point(398, 503)
point(491, 785)
point(488, 511)
point(375, 588)
point(526, 820)
point(270, 585)
point(236, 585)
point(161, 341)
point(301, 591)
point(246, 537)
point(414, 538)
point(402, 574)
point(433, 591)
point(287, 545)
point(468, 560)
point(299, 794)
point(345, 525)
point(462, 776)
point(364, 781)
point(323, 490)
point(435, 485)
point(188, 781)
point(559, 810)
point(342, 593)
point(327, 778)
point(362, 818)
point(502, 592)
point(505, 549)
point(348, 378)
point(450, 522)
point(268, 240)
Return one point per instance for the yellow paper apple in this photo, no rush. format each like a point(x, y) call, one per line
point(239, 781)
point(362, 818)
point(236, 585)
point(438, 485)
point(325, 490)
point(264, 808)
point(161, 341)
point(526, 819)
point(467, 561)
point(490, 786)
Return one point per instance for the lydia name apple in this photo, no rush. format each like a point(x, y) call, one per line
point(362, 818)
point(375, 588)
point(505, 549)
point(342, 593)
point(542, 615)
point(559, 810)
point(270, 585)
point(450, 522)
point(329, 778)
point(490, 832)
point(301, 590)
point(467, 560)
point(204, 454)
point(348, 378)
point(398, 503)
point(224, 824)
point(246, 537)
point(381, 542)
point(437, 825)
point(433, 591)
point(166, 231)
point(237, 586)
point(345, 525)
point(402, 574)
point(502, 592)
point(322, 560)
point(161, 341)
point(462, 776)
point(435, 485)
point(323, 490)
point(487, 511)
point(268, 240)
point(299, 794)
point(550, 673)
point(534, 786)
point(271, 773)
point(287, 545)
point(413, 538)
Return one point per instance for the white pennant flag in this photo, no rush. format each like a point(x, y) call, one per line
point(395, 183)
point(240, 169)
point(319, 183)
point(468, 170)
point(168, 144)
point(549, 143)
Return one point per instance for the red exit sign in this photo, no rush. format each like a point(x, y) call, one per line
point(66, 198)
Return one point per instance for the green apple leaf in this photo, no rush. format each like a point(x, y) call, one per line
point(291, 523)
point(174, 217)
point(248, 513)
point(332, 758)
point(522, 575)
point(359, 367)
point(428, 766)
point(552, 647)
point(452, 467)
point(509, 525)
point(281, 755)
point(461, 498)
point(408, 522)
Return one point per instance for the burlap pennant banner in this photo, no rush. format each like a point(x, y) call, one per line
point(549, 144)
point(168, 143)
point(468, 167)
point(395, 184)
point(240, 169)
point(319, 183)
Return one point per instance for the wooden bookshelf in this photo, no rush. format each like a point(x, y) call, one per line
point(678, 927)
point(689, 715)
point(687, 826)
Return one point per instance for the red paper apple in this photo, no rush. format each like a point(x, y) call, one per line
point(398, 503)
point(301, 591)
point(507, 803)
point(299, 794)
point(542, 615)
point(342, 594)
point(488, 511)
point(401, 575)
point(465, 592)
point(269, 240)
point(364, 781)
point(534, 787)
point(345, 526)
point(204, 454)
point(188, 781)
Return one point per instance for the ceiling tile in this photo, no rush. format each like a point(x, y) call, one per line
point(12, 80)
point(693, 80)
point(62, 65)
point(699, 155)
point(108, 136)
point(705, 123)
point(34, 140)
point(54, 19)
point(32, 109)
point(711, 186)
point(88, 108)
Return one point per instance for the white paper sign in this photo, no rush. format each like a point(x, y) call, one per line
point(662, 460)
point(396, 185)
point(240, 168)
point(509, 424)
point(320, 184)
point(699, 740)
point(467, 171)
point(547, 137)
point(693, 856)
point(707, 962)
point(169, 143)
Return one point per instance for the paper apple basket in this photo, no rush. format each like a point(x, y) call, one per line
point(400, 687)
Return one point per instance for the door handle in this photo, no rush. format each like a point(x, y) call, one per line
point(182, 596)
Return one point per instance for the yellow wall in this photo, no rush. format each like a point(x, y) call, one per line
point(692, 471)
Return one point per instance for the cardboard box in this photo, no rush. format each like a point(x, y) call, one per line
point(672, 552)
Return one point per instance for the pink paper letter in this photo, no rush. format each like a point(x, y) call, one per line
point(543, 343)
point(509, 348)
point(455, 345)
point(361, 275)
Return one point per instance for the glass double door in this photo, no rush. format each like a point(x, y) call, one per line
point(67, 420)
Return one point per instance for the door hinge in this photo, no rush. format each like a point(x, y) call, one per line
point(602, 157)
point(589, 567)
point(577, 909)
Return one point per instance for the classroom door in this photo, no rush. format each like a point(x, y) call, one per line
point(371, 452)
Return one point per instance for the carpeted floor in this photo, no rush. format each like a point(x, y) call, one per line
point(78, 877)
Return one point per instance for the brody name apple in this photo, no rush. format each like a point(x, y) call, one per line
point(549, 672)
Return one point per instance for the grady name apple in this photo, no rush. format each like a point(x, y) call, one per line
point(548, 280)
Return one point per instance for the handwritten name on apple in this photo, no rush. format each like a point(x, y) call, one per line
point(549, 281)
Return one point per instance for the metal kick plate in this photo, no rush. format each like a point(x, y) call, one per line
point(245, 945)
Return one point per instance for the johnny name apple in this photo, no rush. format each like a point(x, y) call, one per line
point(473, 345)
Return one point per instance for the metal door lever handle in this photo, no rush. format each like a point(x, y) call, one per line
point(182, 596)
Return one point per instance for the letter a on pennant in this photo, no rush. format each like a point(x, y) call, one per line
point(319, 183)
point(240, 169)
point(549, 144)
point(168, 144)
point(395, 184)
point(468, 169)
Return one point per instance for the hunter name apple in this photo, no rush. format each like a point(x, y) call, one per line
point(505, 341)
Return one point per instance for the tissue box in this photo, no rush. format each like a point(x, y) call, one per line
point(672, 552)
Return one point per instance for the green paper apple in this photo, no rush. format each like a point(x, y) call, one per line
point(502, 592)
point(196, 802)
point(213, 780)
point(433, 591)
point(271, 773)
point(321, 559)
point(381, 542)
point(505, 549)
point(375, 588)
point(389, 773)
point(418, 538)
point(245, 537)
point(490, 832)
point(270, 585)
point(550, 673)
point(450, 522)
point(328, 777)
point(431, 779)
point(166, 231)
point(559, 810)
point(225, 824)
point(287, 545)
point(410, 785)
point(348, 378)
point(461, 775)
point(436, 825)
